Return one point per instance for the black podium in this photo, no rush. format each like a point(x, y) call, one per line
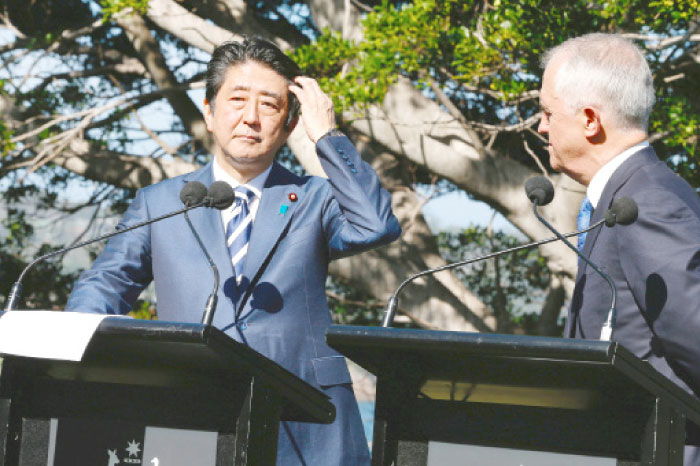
point(174, 375)
point(530, 393)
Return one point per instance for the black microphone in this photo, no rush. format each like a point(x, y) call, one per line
point(192, 193)
point(220, 196)
point(615, 215)
point(540, 189)
point(623, 211)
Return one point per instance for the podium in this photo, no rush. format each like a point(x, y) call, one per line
point(153, 373)
point(530, 393)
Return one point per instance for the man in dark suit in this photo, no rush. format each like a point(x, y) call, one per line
point(273, 244)
point(596, 96)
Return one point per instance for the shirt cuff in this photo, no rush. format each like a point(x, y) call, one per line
point(331, 132)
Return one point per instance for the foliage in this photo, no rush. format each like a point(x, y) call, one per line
point(144, 310)
point(112, 7)
point(46, 285)
point(485, 57)
point(63, 59)
point(349, 305)
point(513, 285)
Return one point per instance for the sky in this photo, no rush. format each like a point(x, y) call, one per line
point(440, 215)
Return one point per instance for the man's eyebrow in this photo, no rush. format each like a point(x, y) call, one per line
point(271, 94)
point(263, 92)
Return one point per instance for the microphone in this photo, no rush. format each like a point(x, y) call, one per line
point(191, 193)
point(220, 196)
point(623, 210)
point(616, 214)
point(540, 189)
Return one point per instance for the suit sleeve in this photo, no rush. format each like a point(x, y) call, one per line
point(660, 257)
point(357, 214)
point(115, 281)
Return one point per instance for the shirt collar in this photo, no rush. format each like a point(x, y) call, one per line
point(602, 176)
point(256, 184)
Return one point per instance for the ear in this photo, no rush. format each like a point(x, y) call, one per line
point(592, 122)
point(208, 115)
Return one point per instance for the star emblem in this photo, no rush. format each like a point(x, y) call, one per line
point(133, 448)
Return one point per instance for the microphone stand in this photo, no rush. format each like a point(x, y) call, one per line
point(210, 306)
point(606, 331)
point(16, 290)
point(393, 302)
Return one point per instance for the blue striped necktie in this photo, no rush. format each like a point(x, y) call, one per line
point(583, 221)
point(238, 229)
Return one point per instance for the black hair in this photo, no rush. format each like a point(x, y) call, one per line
point(255, 49)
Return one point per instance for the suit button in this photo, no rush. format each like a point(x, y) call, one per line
point(353, 170)
point(242, 325)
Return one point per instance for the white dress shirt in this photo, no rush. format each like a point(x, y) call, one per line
point(255, 185)
point(602, 176)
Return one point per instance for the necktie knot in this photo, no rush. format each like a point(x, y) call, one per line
point(243, 194)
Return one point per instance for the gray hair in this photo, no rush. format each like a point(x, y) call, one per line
point(606, 71)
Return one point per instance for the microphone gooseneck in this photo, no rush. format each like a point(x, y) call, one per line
point(612, 312)
point(220, 196)
point(625, 210)
point(190, 191)
point(392, 303)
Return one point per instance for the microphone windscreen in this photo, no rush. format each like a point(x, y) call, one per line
point(623, 211)
point(540, 189)
point(193, 193)
point(220, 195)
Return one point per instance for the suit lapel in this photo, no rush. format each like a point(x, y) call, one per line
point(617, 180)
point(274, 214)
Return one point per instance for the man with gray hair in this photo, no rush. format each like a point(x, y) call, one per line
point(597, 94)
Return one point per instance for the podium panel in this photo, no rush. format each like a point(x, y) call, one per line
point(532, 393)
point(159, 375)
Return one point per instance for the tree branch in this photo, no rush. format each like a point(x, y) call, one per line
point(653, 42)
point(149, 51)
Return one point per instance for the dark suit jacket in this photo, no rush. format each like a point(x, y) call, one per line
point(655, 264)
point(286, 315)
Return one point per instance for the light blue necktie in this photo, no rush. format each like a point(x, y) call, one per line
point(238, 229)
point(583, 221)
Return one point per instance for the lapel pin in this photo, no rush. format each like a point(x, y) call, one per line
point(293, 197)
point(283, 209)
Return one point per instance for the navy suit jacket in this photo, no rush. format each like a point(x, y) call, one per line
point(286, 314)
point(655, 264)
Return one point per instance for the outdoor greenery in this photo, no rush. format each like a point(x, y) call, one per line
point(100, 98)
